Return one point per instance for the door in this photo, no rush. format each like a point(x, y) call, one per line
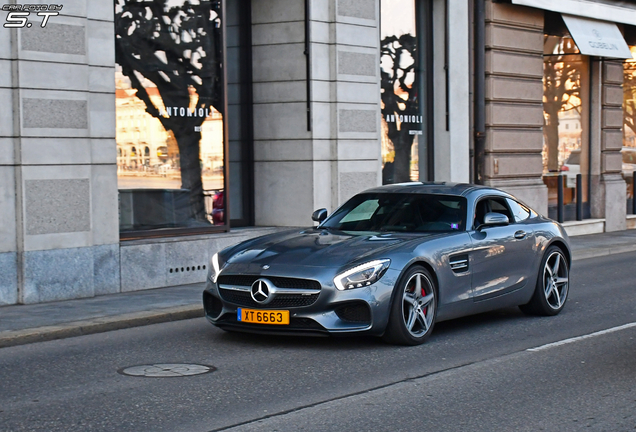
point(502, 256)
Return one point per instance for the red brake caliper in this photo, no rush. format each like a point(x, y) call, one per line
point(424, 295)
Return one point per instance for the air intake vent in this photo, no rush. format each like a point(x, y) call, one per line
point(357, 312)
point(459, 263)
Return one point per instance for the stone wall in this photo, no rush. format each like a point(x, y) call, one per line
point(58, 183)
point(299, 170)
point(612, 183)
point(514, 102)
point(452, 77)
point(160, 262)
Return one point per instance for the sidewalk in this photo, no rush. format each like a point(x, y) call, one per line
point(22, 324)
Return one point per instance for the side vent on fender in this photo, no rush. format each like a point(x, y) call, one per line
point(459, 263)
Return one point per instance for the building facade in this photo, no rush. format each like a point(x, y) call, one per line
point(137, 140)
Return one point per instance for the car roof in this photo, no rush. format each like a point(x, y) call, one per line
point(438, 188)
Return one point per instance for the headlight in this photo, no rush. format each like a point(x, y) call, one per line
point(216, 268)
point(362, 275)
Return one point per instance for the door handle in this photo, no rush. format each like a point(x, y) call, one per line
point(520, 234)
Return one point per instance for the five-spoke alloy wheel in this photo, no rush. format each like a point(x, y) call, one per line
point(555, 280)
point(552, 285)
point(414, 308)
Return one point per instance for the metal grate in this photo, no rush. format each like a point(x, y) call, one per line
point(212, 305)
point(354, 312)
point(280, 301)
point(281, 282)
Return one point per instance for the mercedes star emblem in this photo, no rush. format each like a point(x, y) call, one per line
point(261, 290)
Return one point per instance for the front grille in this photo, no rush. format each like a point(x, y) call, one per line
point(243, 298)
point(281, 282)
point(354, 312)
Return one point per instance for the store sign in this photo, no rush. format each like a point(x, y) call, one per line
point(604, 10)
point(597, 38)
point(184, 112)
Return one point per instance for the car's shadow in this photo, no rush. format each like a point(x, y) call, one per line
point(452, 328)
point(481, 321)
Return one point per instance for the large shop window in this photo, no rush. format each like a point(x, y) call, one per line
point(566, 150)
point(170, 109)
point(628, 152)
point(403, 90)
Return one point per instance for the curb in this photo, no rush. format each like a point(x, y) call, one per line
point(595, 252)
point(99, 325)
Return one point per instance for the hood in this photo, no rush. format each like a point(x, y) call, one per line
point(314, 248)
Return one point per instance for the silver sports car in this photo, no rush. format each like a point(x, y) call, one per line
point(391, 262)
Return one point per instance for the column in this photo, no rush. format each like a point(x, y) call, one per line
point(299, 168)
point(613, 190)
point(514, 102)
point(61, 239)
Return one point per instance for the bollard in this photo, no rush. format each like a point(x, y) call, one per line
point(560, 198)
point(579, 197)
point(634, 192)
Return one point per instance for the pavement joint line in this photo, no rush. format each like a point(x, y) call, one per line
point(353, 394)
point(433, 374)
point(98, 325)
point(583, 337)
point(412, 379)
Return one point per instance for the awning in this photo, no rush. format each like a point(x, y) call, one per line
point(585, 8)
point(597, 38)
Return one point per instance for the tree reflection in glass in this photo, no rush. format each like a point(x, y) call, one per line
point(402, 120)
point(170, 52)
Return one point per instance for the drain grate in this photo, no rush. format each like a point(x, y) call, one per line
point(166, 370)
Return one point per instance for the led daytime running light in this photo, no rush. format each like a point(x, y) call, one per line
point(377, 267)
point(215, 267)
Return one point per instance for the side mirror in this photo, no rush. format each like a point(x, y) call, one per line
point(319, 215)
point(494, 219)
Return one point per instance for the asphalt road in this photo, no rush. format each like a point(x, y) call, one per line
point(478, 373)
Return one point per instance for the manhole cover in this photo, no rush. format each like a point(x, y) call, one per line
point(166, 370)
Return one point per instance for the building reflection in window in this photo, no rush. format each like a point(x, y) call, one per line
point(565, 129)
point(170, 139)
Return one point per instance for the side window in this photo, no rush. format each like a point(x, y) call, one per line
point(519, 211)
point(488, 205)
point(498, 205)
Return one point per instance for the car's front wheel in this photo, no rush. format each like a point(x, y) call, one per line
point(552, 287)
point(414, 309)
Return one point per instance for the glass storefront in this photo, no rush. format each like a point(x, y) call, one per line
point(628, 152)
point(169, 107)
point(402, 90)
point(566, 149)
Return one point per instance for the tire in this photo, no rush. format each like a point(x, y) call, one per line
point(552, 288)
point(413, 310)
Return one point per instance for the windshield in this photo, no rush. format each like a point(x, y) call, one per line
point(400, 212)
point(574, 158)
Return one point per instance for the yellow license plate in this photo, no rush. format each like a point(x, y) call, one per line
point(263, 316)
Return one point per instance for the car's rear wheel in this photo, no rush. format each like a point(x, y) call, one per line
point(552, 287)
point(414, 309)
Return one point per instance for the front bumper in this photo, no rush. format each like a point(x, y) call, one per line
point(333, 313)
